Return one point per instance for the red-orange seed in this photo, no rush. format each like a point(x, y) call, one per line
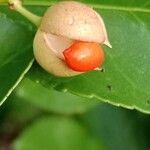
point(84, 56)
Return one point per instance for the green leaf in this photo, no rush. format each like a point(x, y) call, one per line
point(51, 100)
point(127, 130)
point(56, 133)
point(126, 77)
point(15, 54)
point(126, 80)
point(15, 114)
point(123, 4)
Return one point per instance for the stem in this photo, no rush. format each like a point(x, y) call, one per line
point(17, 6)
point(30, 16)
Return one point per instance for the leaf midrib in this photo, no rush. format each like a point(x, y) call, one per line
point(18, 81)
point(96, 6)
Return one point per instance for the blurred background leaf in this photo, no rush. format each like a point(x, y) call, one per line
point(51, 100)
point(105, 127)
point(59, 133)
point(118, 128)
point(15, 115)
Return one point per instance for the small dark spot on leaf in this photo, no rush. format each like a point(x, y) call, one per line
point(11, 5)
point(109, 87)
point(103, 70)
point(148, 101)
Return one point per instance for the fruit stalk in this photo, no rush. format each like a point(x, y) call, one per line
point(17, 6)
